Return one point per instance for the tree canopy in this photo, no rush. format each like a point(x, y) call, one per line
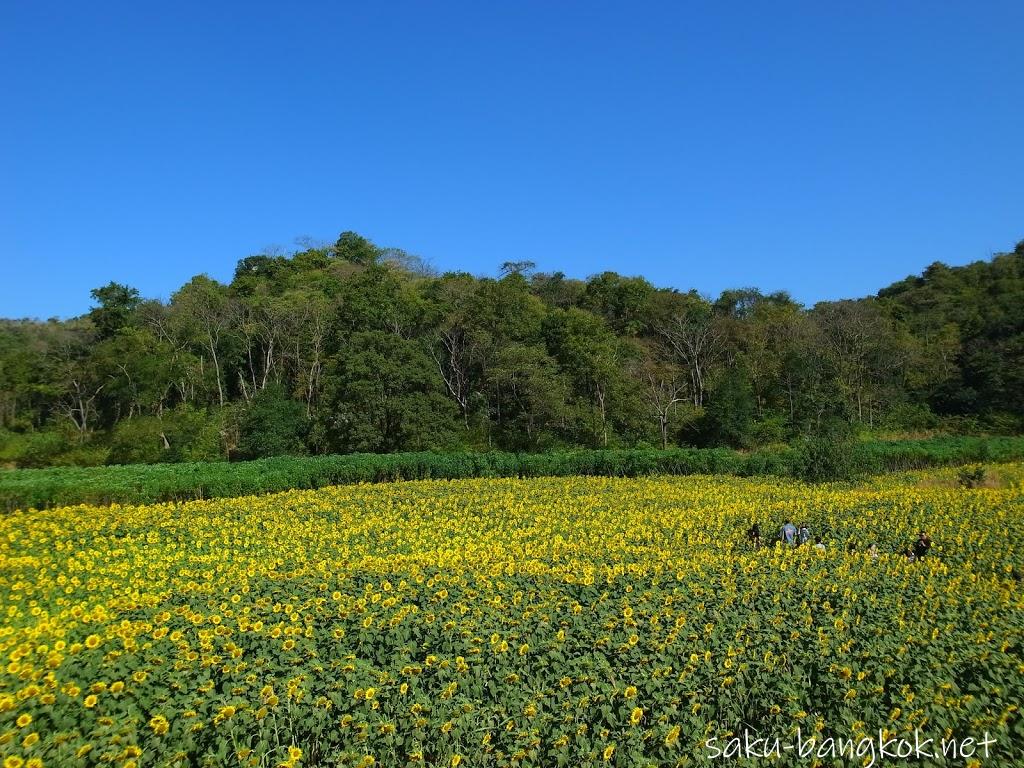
point(353, 347)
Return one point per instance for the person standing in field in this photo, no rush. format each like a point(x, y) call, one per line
point(922, 545)
point(788, 534)
point(804, 534)
point(754, 535)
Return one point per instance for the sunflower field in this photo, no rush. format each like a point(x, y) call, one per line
point(510, 622)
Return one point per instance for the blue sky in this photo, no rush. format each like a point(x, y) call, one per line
point(824, 148)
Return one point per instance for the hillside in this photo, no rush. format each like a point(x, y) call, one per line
point(355, 348)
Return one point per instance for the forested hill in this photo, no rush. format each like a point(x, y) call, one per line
point(975, 316)
point(352, 347)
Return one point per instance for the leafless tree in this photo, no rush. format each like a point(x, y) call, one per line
point(697, 342)
point(452, 353)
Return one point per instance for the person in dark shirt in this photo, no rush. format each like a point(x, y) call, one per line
point(754, 535)
point(922, 545)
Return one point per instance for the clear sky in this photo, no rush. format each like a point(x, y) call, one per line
point(826, 148)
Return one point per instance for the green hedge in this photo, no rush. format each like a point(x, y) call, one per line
point(147, 483)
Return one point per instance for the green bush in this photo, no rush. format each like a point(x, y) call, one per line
point(87, 455)
point(813, 459)
point(139, 441)
point(769, 430)
point(972, 477)
point(34, 449)
point(272, 425)
point(910, 416)
point(820, 459)
point(183, 434)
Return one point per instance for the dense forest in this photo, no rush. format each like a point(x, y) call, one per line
point(355, 348)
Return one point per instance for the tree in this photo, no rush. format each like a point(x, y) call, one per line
point(385, 397)
point(456, 344)
point(415, 265)
point(138, 371)
point(525, 267)
point(664, 389)
point(356, 249)
point(696, 339)
point(117, 305)
point(861, 347)
point(624, 302)
point(272, 425)
point(594, 360)
point(729, 415)
point(76, 381)
point(182, 434)
point(203, 309)
point(528, 395)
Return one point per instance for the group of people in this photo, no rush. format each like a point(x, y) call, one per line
point(791, 535)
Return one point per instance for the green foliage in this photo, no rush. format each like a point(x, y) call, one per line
point(360, 348)
point(917, 416)
point(272, 425)
point(387, 398)
point(624, 302)
point(116, 307)
point(969, 332)
point(812, 460)
point(820, 459)
point(972, 477)
point(183, 434)
point(33, 449)
point(356, 249)
point(729, 416)
point(770, 429)
point(82, 455)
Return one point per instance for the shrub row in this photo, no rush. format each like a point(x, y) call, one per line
point(811, 460)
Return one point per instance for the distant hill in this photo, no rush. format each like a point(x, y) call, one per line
point(351, 347)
